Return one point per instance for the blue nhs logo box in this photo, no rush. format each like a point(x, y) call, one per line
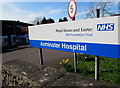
point(105, 27)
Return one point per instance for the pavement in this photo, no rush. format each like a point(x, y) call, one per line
point(47, 77)
point(51, 58)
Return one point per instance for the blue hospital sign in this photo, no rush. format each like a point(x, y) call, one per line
point(97, 36)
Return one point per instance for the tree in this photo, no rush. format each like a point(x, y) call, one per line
point(50, 20)
point(60, 20)
point(105, 8)
point(44, 21)
point(63, 20)
point(37, 21)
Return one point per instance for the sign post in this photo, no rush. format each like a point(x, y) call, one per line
point(40, 53)
point(97, 68)
point(97, 57)
point(71, 13)
point(41, 56)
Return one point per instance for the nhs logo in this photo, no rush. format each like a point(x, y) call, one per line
point(105, 27)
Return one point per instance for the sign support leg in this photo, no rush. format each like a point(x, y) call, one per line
point(97, 68)
point(75, 62)
point(75, 56)
point(41, 57)
point(97, 57)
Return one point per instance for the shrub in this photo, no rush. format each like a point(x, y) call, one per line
point(66, 65)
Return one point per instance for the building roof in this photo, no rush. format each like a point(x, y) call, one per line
point(16, 22)
point(116, 15)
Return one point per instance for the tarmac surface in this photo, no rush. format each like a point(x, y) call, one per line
point(52, 58)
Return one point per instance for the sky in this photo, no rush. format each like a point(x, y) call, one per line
point(28, 11)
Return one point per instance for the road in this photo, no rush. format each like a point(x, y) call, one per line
point(52, 58)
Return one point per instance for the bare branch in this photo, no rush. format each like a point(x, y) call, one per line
point(105, 8)
point(37, 20)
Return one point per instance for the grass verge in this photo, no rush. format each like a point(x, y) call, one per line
point(109, 68)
